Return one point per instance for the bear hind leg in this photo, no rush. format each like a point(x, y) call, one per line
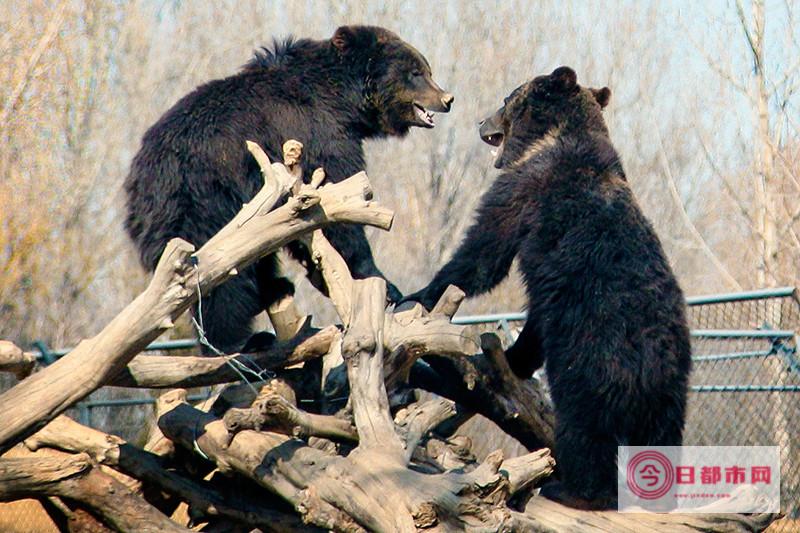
point(228, 311)
point(525, 356)
point(272, 287)
point(587, 463)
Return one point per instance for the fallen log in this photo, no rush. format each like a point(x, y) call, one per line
point(76, 477)
point(542, 515)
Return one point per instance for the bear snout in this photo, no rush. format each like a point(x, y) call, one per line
point(447, 101)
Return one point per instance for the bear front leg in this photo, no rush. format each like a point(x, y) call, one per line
point(427, 296)
point(485, 255)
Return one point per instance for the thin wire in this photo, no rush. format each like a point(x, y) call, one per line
point(239, 367)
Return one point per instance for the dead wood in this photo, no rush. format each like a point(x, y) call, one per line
point(277, 462)
point(75, 477)
point(542, 515)
point(65, 434)
point(314, 481)
point(419, 418)
point(275, 409)
point(15, 361)
point(286, 318)
point(408, 499)
point(485, 384)
point(180, 276)
point(159, 371)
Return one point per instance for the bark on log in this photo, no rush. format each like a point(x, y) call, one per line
point(180, 274)
point(76, 478)
point(160, 371)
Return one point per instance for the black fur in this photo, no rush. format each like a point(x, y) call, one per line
point(193, 171)
point(605, 313)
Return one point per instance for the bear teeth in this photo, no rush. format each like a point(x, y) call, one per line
point(424, 115)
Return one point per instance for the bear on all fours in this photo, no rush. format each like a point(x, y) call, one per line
point(193, 171)
point(605, 315)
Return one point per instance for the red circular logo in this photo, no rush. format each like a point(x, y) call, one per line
point(650, 475)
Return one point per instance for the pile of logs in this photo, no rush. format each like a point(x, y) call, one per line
point(367, 451)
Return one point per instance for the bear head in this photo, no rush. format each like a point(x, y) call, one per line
point(538, 112)
point(399, 91)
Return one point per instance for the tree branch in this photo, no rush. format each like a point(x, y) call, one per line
point(673, 191)
point(275, 409)
point(14, 360)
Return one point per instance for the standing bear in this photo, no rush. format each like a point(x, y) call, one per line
point(605, 314)
point(193, 171)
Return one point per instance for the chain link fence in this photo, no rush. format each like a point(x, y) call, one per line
point(745, 384)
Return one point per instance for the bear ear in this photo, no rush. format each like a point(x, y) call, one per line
point(564, 79)
point(343, 38)
point(348, 38)
point(602, 96)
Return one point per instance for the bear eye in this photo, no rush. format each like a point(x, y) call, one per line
point(416, 73)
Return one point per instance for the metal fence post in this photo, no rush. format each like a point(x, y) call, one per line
point(85, 413)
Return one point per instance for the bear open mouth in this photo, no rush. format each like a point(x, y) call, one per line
point(424, 116)
point(495, 139)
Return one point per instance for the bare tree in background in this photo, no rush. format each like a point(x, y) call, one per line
point(55, 183)
point(758, 175)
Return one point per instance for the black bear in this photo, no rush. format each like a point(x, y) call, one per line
point(605, 315)
point(193, 171)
